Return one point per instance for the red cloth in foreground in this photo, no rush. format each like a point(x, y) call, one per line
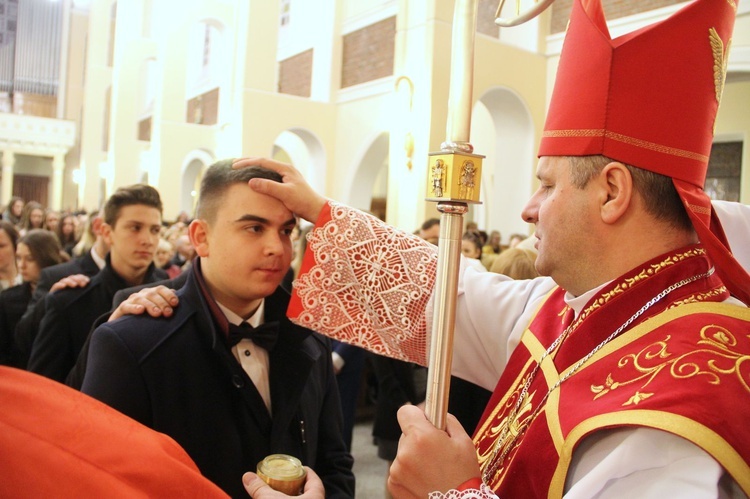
point(57, 442)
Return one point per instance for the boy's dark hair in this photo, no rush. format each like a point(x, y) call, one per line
point(127, 196)
point(218, 178)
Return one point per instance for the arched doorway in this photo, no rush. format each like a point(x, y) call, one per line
point(303, 149)
point(192, 170)
point(503, 131)
point(369, 184)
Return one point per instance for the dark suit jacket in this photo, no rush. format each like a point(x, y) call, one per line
point(67, 322)
point(28, 325)
point(75, 376)
point(178, 376)
point(84, 264)
point(13, 303)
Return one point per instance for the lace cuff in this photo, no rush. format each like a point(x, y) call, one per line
point(483, 492)
point(366, 283)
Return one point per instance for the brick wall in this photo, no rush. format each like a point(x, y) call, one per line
point(295, 74)
point(613, 9)
point(368, 53)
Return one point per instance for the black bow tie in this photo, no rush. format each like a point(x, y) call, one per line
point(264, 336)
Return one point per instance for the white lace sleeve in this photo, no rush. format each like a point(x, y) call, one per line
point(367, 284)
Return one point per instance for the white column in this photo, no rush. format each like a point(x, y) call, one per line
point(58, 167)
point(6, 190)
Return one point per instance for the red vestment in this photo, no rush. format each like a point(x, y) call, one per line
point(678, 367)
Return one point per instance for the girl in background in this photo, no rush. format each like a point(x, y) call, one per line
point(36, 250)
point(8, 239)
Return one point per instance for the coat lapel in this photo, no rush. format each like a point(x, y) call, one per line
point(290, 365)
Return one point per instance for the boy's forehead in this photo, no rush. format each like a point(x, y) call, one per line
point(245, 201)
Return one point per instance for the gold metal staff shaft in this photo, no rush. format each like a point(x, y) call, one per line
point(453, 181)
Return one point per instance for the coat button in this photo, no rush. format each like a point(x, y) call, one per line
point(237, 381)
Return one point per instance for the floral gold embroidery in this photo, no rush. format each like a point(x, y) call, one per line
point(700, 297)
point(642, 275)
point(714, 357)
point(508, 423)
point(636, 399)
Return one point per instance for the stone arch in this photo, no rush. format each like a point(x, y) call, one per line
point(368, 170)
point(191, 173)
point(305, 151)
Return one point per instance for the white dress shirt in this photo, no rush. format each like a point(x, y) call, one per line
point(252, 358)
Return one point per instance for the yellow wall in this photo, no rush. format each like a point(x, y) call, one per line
point(733, 123)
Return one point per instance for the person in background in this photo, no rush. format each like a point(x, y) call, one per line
point(94, 250)
point(348, 365)
point(14, 210)
point(430, 230)
point(51, 220)
point(515, 240)
point(89, 236)
point(132, 222)
point(398, 383)
point(163, 259)
point(493, 243)
point(32, 217)
point(516, 263)
point(184, 252)
point(66, 233)
point(36, 250)
point(9, 275)
point(471, 248)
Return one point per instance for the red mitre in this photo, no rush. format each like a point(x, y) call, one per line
point(649, 99)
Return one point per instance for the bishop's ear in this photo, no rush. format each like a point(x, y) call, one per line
point(617, 185)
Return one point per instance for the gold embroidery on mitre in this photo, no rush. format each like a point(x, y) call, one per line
point(643, 144)
point(720, 61)
point(720, 359)
point(733, 4)
point(696, 208)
